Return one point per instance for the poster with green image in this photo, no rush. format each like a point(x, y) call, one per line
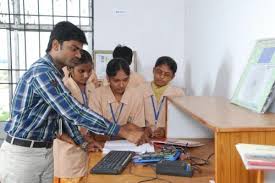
point(255, 88)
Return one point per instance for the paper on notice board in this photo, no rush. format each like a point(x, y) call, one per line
point(255, 88)
point(102, 60)
point(255, 82)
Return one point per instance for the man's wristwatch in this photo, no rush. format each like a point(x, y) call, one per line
point(84, 146)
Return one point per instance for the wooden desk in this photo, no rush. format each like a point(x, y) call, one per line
point(231, 125)
point(129, 174)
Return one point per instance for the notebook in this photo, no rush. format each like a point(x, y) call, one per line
point(256, 156)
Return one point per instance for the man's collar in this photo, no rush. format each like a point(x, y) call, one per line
point(49, 59)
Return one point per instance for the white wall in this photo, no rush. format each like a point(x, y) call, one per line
point(219, 37)
point(182, 125)
point(151, 27)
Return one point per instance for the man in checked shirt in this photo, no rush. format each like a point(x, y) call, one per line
point(40, 99)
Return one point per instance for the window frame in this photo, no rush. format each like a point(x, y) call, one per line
point(17, 22)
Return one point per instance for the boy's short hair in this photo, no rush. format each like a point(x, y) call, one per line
point(171, 63)
point(66, 31)
point(123, 52)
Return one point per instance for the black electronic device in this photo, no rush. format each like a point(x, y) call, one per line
point(113, 163)
point(175, 168)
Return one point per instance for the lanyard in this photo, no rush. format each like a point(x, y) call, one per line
point(113, 114)
point(157, 112)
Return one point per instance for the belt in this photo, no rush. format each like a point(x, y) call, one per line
point(28, 143)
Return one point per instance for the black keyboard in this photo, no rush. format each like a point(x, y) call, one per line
point(113, 163)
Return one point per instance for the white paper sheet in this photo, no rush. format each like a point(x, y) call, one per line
point(124, 145)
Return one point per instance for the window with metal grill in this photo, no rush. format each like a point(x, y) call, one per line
point(25, 27)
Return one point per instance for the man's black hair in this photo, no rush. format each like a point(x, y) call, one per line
point(115, 65)
point(123, 52)
point(66, 31)
point(171, 63)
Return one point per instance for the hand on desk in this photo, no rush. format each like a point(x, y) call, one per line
point(133, 134)
point(159, 133)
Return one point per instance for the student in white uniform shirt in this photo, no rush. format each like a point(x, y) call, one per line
point(135, 79)
point(155, 95)
point(117, 102)
point(70, 161)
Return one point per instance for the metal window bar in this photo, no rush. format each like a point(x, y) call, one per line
point(10, 76)
point(39, 37)
point(17, 23)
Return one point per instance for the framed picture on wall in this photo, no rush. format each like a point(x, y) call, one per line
point(101, 59)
